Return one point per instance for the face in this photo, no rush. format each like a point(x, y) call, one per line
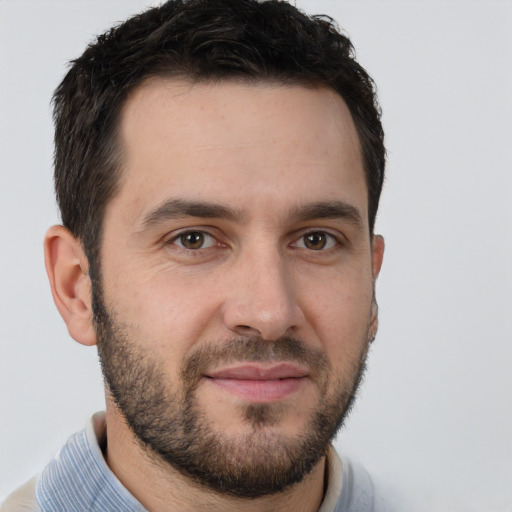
point(236, 301)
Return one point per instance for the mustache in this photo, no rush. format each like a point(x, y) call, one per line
point(252, 349)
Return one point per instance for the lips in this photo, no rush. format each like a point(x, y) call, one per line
point(258, 382)
point(260, 372)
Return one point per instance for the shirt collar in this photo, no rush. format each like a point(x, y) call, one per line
point(79, 478)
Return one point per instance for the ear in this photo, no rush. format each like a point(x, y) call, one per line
point(68, 271)
point(377, 254)
point(377, 257)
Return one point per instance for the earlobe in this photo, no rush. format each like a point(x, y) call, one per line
point(68, 271)
point(374, 320)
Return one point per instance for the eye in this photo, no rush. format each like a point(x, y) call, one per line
point(194, 240)
point(316, 241)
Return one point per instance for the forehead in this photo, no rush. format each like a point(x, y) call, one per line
point(239, 143)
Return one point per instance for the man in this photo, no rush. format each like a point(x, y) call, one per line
point(218, 168)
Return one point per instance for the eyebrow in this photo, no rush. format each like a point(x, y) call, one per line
point(329, 210)
point(179, 208)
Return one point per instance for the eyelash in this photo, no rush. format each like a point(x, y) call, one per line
point(183, 234)
point(331, 240)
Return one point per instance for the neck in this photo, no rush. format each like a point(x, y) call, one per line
point(159, 487)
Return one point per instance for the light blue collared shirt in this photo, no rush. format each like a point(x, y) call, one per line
point(79, 480)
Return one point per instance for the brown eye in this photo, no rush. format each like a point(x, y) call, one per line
point(194, 240)
point(315, 241)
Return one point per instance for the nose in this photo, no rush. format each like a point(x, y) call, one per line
point(262, 299)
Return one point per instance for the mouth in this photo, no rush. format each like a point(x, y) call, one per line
point(260, 383)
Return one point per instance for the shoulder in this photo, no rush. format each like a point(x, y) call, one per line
point(356, 489)
point(23, 499)
point(357, 492)
point(76, 479)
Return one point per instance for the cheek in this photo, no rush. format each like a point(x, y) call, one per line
point(339, 315)
point(170, 313)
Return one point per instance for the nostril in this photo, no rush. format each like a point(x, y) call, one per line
point(247, 330)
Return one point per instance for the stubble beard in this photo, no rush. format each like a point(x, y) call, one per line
point(172, 429)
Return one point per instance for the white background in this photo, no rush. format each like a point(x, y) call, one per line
point(434, 420)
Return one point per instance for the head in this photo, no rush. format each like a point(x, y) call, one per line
point(218, 167)
point(201, 41)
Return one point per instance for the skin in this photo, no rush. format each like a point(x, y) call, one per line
point(266, 152)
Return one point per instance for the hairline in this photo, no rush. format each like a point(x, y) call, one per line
point(116, 152)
